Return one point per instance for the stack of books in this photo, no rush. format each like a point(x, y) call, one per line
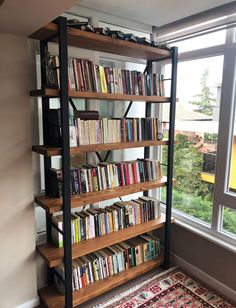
point(116, 130)
point(109, 261)
point(84, 75)
point(105, 175)
point(96, 222)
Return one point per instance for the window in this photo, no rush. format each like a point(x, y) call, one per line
point(205, 132)
point(232, 166)
point(203, 41)
point(196, 134)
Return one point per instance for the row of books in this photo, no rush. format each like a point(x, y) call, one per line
point(84, 75)
point(85, 128)
point(92, 223)
point(109, 261)
point(105, 175)
point(117, 130)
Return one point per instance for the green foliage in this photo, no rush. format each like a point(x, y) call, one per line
point(191, 195)
point(187, 167)
point(192, 205)
point(210, 138)
point(229, 221)
point(205, 102)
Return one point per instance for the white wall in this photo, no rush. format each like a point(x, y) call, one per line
point(17, 227)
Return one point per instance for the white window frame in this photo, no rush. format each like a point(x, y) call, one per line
point(222, 197)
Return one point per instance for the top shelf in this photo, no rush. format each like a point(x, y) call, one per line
point(87, 40)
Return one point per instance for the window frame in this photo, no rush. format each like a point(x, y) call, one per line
point(222, 196)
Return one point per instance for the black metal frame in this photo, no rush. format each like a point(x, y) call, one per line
point(63, 59)
point(171, 136)
point(65, 100)
point(148, 69)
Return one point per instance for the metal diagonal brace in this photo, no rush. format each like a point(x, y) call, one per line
point(72, 104)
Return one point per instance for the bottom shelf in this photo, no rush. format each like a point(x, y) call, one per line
point(50, 297)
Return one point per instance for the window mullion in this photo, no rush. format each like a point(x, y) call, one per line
point(224, 136)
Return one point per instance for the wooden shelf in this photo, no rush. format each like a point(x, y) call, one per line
point(50, 297)
point(47, 92)
point(93, 41)
point(52, 205)
point(53, 151)
point(53, 256)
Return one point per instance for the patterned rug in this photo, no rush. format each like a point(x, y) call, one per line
point(175, 289)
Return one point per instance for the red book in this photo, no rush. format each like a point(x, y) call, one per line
point(122, 175)
point(83, 74)
point(134, 172)
point(127, 174)
point(123, 81)
point(80, 75)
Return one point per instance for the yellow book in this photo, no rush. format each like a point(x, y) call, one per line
point(103, 79)
point(155, 129)
point(78, 230)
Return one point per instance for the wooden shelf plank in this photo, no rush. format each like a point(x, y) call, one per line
point(53, 151)
point(47, 92)
point(50, 297)
point(53, 256)
point(87, 40)
point(53, 205)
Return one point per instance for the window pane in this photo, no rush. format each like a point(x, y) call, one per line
point(232, 173)
point(196, 134)
point(203, 41)
point(229, 220)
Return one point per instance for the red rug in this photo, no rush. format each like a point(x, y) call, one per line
point(173, 290)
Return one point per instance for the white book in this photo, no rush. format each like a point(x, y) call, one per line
point(73, 139)
point(71, 75)
point(120, 83)
point(91, 226)
point(115, 75)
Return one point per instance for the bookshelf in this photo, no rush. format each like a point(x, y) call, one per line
point(51, 298)
point(54, 151)
point(47, 92)
point(52, 205)
point(53, 256)
point(59, 33)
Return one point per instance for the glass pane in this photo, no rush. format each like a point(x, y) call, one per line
point(196, 134)
point(203, 41)
point(229, 220)
point(232, 173)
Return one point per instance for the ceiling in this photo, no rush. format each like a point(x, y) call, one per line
point(152, 12)
point(26, 16)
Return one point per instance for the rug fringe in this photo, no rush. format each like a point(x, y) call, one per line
point(112, 300)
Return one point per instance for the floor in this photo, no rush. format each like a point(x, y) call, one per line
point(120, 289)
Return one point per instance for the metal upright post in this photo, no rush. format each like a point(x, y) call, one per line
point(174, 51)
point(45, 108)
point(147, 115)
point(63, 59)
point(47, 160)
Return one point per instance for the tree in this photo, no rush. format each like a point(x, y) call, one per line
point(206, 102)
point(187, 167)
